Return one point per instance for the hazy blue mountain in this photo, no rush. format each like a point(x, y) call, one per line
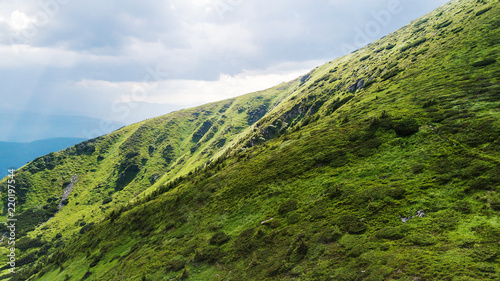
point(27, 127)
point(15, 155)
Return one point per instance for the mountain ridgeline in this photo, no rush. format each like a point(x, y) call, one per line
point(380, 165)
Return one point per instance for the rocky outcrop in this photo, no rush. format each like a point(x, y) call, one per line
point(419, 214)
point(67, 192)
point(356, 86)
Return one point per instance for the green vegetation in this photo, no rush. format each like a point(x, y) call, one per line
point(483, 62)
point(308, 180)
point(413, 44)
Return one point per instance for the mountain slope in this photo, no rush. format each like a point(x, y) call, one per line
point(103, 173)
point(380, 165)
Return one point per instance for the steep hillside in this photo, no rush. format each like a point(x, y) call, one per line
point(381, 165)
point(101, 174)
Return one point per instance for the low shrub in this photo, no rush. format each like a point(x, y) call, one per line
point(406, 127)
point(287, 206)
point(413, 44)
point(208, 254)
point(484, 62)
point(219, 238)
point(390, 46)
point(444, 24)
point(422, 239)
point(391, 73)
point(175, 265)
point(390, 233)
point(480, 12)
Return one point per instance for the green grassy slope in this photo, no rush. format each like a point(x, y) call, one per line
point(123, 166)
point(317, 189)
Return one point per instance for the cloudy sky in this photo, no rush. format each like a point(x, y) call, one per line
point(126, 60)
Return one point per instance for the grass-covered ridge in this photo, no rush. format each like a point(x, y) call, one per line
point(116, 169)
point(310, 180)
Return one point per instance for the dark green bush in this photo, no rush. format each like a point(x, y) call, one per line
point(495, 203)
point(351, 224)
point(391, 233)
point(464, 207)
point(484, 62)
point(390, 46)
point(329, 235)
point(480, 183)
point(422, 51)
point(369, 83)
point(413, 44)
point(480, 12)
point(391, 73)
point(219, 238)
point(484, 254)
point(430, 103)
point(422, 239)
point(444, 24)
point(86, 228)
point(288, 206)
point(357, 228)
point(457, 30)
point(96, 259)
point(364, 58)
point(333, 191)
point(175, 265)
point(208, 254)
point(396, 192)
point(184, 274)
point(27, 243)
point(420, 22)
point(406, 127)
point(86, 275)
point(299, 252)
point(244, 243)
point(293, 218)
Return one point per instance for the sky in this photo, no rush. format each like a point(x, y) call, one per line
point(130, 60)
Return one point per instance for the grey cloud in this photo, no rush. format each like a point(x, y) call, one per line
point(190, 40)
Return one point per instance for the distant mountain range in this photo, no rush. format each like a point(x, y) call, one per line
point(15, 155)
point(26, 127)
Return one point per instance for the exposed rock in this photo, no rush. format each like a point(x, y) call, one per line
point(267, 221)
point(154, 178)
point(360, 84)
point(419, 214)
point(352, 88)
point(356, 86)
point(67, 191)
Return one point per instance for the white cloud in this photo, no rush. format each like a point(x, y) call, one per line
point(22, 55)
point(19, 21)
point(109, 47)
point(196, 92)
